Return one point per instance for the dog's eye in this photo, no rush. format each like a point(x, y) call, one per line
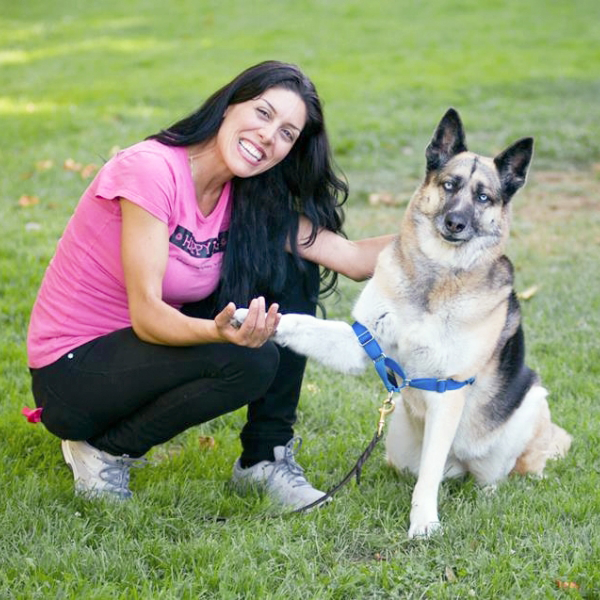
point(448, 186)
point(483, 198)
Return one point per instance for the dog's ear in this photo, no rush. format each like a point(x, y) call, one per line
point(512, 165)
point(448, 140)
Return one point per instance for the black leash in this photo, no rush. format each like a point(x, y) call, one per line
point(355, 471)
point(386, 408)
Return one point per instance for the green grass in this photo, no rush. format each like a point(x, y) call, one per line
point(81, 78)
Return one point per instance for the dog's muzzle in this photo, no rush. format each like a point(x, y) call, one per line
point(455, 226)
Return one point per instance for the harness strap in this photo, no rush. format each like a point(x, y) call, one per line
point(387, 368)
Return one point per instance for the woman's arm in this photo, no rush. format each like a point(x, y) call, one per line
point(354, 259)
point(144, 253)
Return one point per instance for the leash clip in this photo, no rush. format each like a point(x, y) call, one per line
point(387, 408)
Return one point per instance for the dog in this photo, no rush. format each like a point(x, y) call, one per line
point(441, 303)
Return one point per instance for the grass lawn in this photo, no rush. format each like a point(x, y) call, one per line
point(79, 79)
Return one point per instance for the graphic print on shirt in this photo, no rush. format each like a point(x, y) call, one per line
point(184, 239)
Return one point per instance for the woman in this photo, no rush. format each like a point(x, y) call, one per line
point(131, 338)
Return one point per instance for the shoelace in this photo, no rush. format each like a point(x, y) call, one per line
point(288, 467)
point(117, 474)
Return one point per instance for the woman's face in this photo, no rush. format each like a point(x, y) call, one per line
point(257, 134)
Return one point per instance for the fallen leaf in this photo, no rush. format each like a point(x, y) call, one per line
point(71, 165)
point(567, 585)
point(450, 575)
point(379, 557)
point(44, 165)
point(25, 200)
point(33, 226)
point(529, 293)
point(385, 198)
point(88, 171)
point(206, 442)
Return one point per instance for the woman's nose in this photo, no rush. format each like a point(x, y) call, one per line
point(266, 133)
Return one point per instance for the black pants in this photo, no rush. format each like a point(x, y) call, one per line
point(125, 396)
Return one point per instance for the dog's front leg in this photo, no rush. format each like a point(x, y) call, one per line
point(443, 413)
point(332, 343)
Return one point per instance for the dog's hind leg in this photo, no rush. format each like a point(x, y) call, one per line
point(548, 441)
point(443, 414)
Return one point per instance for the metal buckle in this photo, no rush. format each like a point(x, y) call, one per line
point(367, 335)
point(387, 408)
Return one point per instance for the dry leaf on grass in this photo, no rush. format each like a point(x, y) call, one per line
point(86, 171)
point(206, 442)
point(385, 198)
point(26, 200)
point(44, 165)
point(71, 165)
point(567, 585)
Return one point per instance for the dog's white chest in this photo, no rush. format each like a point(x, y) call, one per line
point(439, 343)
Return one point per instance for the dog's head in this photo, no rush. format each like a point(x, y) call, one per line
point(465, 196)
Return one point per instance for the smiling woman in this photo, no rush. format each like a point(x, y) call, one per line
point(132, 340)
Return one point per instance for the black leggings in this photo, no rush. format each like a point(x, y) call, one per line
point(125, 396)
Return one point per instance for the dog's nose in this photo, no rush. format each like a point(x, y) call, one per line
point(455, 222)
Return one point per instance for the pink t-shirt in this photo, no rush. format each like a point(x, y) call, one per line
point(83, 293)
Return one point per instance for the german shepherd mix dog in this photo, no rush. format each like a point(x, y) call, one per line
point(441, 303)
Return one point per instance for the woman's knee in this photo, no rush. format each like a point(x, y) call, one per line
point(258, 368)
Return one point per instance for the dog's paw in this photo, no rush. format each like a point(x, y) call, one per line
point(239, 316)
point(423, 531)
point(424, 521)
point(490, 489)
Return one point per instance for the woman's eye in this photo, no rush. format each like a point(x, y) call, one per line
point(287, 134)
point(262, 112)
point(448, 186)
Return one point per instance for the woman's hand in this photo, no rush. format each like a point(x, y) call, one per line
point(257, 328)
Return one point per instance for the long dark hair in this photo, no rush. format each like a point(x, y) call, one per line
point(266, 206)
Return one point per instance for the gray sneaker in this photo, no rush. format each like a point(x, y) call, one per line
point(283, 479)
point(98, 473)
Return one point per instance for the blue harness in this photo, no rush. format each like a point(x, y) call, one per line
point(387, 368)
